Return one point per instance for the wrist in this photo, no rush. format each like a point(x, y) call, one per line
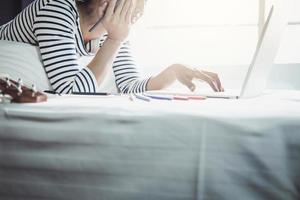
point(163, 79)
point(116, 37)
point(173, 70)
point(170, 75)
point(114, 41)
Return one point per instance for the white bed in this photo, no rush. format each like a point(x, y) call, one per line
point(113, 148)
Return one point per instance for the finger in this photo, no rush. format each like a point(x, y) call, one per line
point(119, 7)
point(111, 8)
point(125, 9)
point(136, 16)
point(101, 9)
point(210, 79)
point(130, 12)
point(215, 78)
point(207, 79)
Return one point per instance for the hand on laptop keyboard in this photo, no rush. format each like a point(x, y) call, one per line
point(186, 76)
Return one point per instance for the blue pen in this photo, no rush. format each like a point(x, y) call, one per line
point(159, 97)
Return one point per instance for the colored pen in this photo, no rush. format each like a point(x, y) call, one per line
point(197, 97)
point(51, 92)
point(144, 98)
point(159, 97)
point(181, 98)
point(131, 97)
point(92, 94)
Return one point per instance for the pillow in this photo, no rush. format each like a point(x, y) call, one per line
point(20, 60)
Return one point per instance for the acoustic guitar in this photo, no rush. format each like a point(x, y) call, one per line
point(17, 92)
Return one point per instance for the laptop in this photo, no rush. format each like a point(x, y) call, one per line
point(263, 58)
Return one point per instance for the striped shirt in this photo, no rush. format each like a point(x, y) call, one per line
point(54, 26)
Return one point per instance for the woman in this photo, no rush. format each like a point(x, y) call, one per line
point(66, 29)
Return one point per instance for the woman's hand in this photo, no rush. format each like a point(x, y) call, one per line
point(185, 76)
point(117, 19)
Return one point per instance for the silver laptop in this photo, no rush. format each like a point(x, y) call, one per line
point(262, 62)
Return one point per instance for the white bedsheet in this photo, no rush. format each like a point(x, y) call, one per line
point(112, 148)
point(271, 104)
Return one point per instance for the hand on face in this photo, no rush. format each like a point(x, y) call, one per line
point(138, 11)
point(102, 8)
point(88, 22)
point(186, 75)
point(113, 11)
point(117, 19)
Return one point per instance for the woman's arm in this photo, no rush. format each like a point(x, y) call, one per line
point(104, 59)
point(54, 29)
point(128, 78)
point(117, 23)
point(163, 80)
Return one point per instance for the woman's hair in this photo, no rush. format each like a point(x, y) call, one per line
point(83, 2)
point(87, 7)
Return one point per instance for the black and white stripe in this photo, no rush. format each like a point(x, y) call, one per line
point(54, 26)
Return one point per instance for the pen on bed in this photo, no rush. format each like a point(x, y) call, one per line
point(83, 93)
point(197, 97)
point(131, 97)
point(159, 97)
point(180, 98)
point(93, 93)
point(144, 98)
point(51, 92)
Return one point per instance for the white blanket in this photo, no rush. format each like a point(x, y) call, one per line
point(108, 147)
